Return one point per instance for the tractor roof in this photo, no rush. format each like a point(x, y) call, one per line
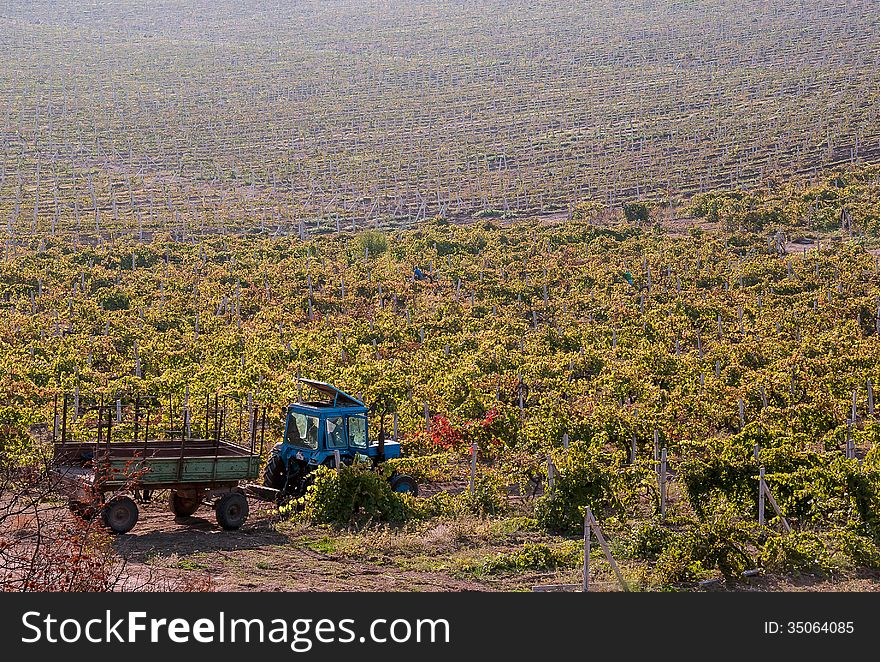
point(336, 397)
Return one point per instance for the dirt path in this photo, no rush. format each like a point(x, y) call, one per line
point(258, 558)
point(196, 554)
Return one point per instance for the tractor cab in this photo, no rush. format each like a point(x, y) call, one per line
point(315, 429)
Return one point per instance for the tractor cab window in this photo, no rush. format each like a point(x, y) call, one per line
point(302, 431)
point(336, 432)
point(357, 431)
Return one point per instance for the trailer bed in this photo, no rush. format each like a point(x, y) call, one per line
point(162, 464)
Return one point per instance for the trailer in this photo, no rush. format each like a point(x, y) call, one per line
point(106, 478)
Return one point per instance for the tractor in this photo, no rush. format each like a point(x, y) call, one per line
point(333, 427)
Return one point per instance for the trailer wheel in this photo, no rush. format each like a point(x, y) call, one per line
point(120, 514)
point(184, 506)
point(405, 484)
point(232, 510)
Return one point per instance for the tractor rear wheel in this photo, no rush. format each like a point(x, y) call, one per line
point(273, 474)
point(405, 484)
point(232, 510)
point(184, 505)
point(120, 514)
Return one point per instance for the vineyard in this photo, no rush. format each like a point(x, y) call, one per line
point(611, 264)
point(574, 357)
point(302, 118)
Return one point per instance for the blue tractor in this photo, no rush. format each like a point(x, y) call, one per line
point(317, 432)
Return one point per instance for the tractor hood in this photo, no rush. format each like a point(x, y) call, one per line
point(336, 397)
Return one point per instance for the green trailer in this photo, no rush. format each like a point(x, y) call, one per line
point(108, 477)
point(104, 478)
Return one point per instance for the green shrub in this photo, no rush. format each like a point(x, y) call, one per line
point(488, 498)
point(812, 488)
point(636, 212)
point(15, 442)
point(373, 241)
point(800, 551)
point(536, 556)
point(441, 504)
point(719, 544)
point(424, 468)
point(648, 541)
point(726, 468)
point(725, 474)
point(587, 477)
point(677, 565)
point(114, 299)
point(355, 494)
point(825, 489)
point(856, 550)
point(586, 209)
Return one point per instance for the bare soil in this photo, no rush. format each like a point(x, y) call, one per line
point(259, 558)
point(262, 556)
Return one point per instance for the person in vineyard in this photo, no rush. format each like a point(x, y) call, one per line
point(418, 274)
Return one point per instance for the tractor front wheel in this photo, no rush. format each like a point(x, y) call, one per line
point(120, 514)
point(232, 510)
point(405, 484)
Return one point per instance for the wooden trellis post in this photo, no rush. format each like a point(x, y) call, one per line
point(590, 524)
point(663, 483)
point(764, 493)
point(761, 496)
point(656, 449)
point(850, 443)
point(55, 418)
point(587, 518)
point(473, 481)
point(522, 407)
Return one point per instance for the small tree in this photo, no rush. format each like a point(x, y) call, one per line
point(636, 212)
